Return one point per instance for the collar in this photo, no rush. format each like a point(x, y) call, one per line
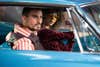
point(22, 30)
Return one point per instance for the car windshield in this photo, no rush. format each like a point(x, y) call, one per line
point(90, 40)
point(93, 12)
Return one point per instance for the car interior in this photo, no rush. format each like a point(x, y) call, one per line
point(9, 15)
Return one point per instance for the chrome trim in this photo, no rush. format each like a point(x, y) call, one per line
point(90, 4)
point(75, 30)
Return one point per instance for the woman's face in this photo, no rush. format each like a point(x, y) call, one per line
point(51, 19)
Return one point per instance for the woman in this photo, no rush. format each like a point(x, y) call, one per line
point(54, 40)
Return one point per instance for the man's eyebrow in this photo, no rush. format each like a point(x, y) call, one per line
point(36, 16)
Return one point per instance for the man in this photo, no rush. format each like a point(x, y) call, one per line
point(31, 23)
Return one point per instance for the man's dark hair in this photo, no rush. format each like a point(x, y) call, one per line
point(26, 10)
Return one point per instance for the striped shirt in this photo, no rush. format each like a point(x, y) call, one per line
point(23, 43)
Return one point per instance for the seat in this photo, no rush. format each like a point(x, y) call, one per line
point(5, 27)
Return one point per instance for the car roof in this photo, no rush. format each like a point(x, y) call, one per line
point(81, 2)
point(47, 2)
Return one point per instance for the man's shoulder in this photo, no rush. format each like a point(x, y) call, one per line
point(12, 36)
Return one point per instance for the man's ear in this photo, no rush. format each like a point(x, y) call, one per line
point(23, 18)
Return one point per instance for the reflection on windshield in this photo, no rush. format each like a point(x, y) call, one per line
point(87, 38)
point(94, 13)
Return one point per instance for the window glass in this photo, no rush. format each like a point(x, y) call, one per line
point(87, 37)
point(55, 19)
point(94, 13)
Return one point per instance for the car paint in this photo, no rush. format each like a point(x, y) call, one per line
point(47, 59)
point(60, 2)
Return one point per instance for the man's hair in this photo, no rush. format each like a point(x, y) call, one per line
point(26, 10)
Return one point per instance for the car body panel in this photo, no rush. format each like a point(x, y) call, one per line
point(59, 2)
point(47, 59)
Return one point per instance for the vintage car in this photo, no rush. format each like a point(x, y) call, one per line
point(84, 22)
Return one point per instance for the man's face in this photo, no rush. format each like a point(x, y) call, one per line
point(33, 20)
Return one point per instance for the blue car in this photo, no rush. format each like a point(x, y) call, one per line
point(84, 17)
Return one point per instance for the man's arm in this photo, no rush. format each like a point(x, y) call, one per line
point(23, 44)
